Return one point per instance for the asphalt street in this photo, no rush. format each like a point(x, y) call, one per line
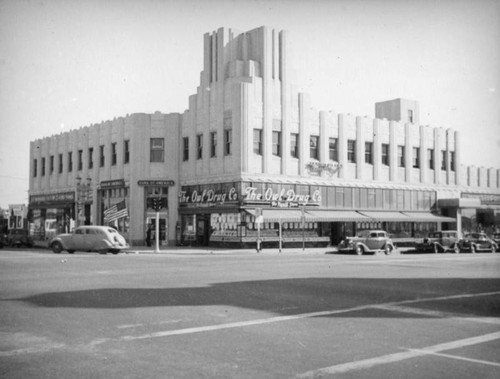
point(224, 314)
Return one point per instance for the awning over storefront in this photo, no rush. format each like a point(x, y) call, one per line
point(334, 215)
point(427, 217)
point(386, 216)
point(277, 215)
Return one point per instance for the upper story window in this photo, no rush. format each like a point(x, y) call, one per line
point(351, 151)
point(369, 152)
point(60, 160)
point(199, 146)
point(443, 160)
point(101, 156)
point(35, 168)
point(385, 154)
point(43, 166)
point(410, 115)
point(277, 143)
point(228, 140)
point(294, 145)
point(80, 160)
point(91, 157)
point(213, 144)
point(430, 158)
point(333, 151)
point(401, 156)
point(257, 141)
point(70, 161)
point(416, 157)
point(51, 164)
point(185, 148)
point(113, 154)
point(126, 151)
point(314, 147)
point(157, 150)
point(452, 161)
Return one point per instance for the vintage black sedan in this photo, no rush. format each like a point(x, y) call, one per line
point(474, 242)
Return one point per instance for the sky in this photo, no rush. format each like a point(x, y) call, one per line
point(65, 64)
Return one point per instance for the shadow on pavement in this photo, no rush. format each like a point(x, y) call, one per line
point(288, 296)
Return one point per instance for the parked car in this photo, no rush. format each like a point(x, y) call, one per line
point(101, 239)
point(368, 241)
point(440, 242)
point(19, 237)
point(496, 238)
point(477, 242)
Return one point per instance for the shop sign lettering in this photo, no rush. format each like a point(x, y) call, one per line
point(284, 198)
point(317, 168)
point(52, 198)
point(112, 183)
point(207, 196)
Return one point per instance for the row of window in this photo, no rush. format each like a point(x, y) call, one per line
point(351, 151)
point(90, 159)
point(228, 140)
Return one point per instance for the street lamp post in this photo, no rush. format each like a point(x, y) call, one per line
point(83, 194)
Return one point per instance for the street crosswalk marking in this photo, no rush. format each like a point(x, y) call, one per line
point(397, 357)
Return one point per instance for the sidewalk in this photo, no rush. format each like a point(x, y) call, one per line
point(201, 250)
point(218, 251)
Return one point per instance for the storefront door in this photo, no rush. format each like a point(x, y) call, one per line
point(163, 228)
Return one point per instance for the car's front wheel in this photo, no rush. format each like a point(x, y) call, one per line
point(388, 249)
point(493, 248)
point(359, 250)
point(473, 249)
point(436, 249)
point(57, 247)
point(456, 249)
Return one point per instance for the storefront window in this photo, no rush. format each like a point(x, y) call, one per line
point(363, 198)
point(371, 198)
point(339, 197)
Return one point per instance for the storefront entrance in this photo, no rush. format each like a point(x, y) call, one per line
point(151, 229)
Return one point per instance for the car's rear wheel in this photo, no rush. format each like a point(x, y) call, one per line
point(493, 249)
point(436, 249)
point(359, 250)
point(57, 247)
point(456, 249)
point(473, 249)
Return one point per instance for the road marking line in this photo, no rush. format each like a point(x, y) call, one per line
point(32, 350)
point(300, 316)
point(439, 314)
point(457, 357)
point(396, 357)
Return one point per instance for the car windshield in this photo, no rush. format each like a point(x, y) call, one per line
point(363, 234)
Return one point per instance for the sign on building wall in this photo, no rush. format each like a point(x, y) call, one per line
point(53, 198)
point(208, 196)
point(112, 183)
point(284, 198)
point(158, 183)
